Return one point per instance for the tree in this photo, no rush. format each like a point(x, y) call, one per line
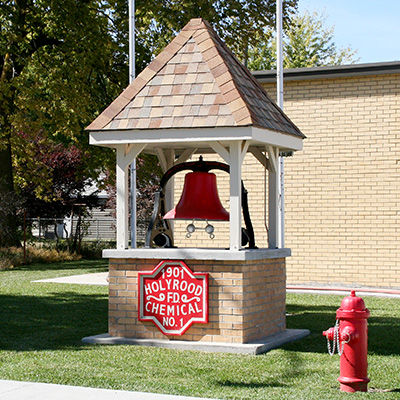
point(64, 61)
point(307, 43)
point(52, 180)
point(148, 178)
point(237, 22)
point(56, 60)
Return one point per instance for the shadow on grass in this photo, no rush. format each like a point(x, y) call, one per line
point(292, 368)
point(95, 265)
point(246, 385)
point(381, 330)
point(54, 321)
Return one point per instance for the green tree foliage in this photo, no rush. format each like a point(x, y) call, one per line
point(237, 22)
point(63, 61)
point(307, 42)
point(56, 71)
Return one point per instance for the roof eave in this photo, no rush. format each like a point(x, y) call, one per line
point(330, 72)
point(193, 137)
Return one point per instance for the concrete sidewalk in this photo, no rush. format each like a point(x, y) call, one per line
point(14, 390)
point(101, 279)
point(345, 291)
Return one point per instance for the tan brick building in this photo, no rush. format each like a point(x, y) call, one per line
point(343, 190)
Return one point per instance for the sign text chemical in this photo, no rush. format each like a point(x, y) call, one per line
point(173, 297)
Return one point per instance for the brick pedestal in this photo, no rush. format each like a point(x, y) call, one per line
point(246, 299)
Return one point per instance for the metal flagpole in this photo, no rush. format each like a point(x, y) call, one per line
point(279, 88)
point(131, 79)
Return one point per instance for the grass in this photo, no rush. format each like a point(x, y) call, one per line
point(42, 324)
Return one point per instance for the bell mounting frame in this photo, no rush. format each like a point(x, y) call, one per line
point(159, 231)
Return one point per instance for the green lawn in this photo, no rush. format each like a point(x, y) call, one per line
point(42, 325)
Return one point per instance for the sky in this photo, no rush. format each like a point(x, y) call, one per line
point(370, 27)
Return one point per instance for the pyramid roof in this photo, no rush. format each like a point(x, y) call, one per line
point(195, 82)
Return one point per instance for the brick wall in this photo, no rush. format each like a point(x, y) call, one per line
point(343, 190)
point(246, 300)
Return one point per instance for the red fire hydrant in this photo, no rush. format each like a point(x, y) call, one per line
point(350, 335)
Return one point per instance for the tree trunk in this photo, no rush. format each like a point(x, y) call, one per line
point(8, 219)
point(8, 198)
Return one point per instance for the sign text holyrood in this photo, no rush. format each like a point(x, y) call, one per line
point(173, 297)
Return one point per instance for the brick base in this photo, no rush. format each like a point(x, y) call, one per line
point(247, 300)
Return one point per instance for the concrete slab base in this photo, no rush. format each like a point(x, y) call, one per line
point(259, 347)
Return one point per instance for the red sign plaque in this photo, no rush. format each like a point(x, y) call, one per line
point(173, 297)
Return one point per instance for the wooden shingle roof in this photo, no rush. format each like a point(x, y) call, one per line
point(195, 82)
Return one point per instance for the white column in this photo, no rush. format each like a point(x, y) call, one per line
point(281, 242)
point(122, 199)
point(170, 187)
point(131, 152)
point(235, 199)
point(273, 198)
point(167, 160)
point(133, 204)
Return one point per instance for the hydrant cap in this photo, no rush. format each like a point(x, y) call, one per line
point(353, 304)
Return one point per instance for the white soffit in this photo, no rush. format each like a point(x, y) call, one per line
point(194, 137)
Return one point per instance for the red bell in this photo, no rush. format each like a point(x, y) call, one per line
point(199, 199)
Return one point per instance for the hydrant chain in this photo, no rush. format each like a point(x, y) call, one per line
point(331, 351)
point(336, 341)
point(339, 350)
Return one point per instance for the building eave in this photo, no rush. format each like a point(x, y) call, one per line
point(336, 71)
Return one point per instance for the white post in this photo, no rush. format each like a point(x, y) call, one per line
point(170, 188)
point(279, 53)
point(273, 198)
point(132, 73)
point(132, 50)
point(122, 199)
point(281, 242)
point(133, 203)
point(235, 199)
point(279, 87)
point(167, 160)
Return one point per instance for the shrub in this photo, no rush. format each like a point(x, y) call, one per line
point(14, 256)
point(92, 250)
